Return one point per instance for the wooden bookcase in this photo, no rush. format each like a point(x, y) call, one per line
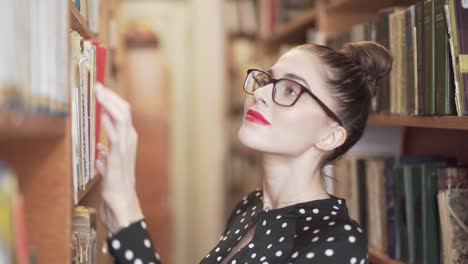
point(423, 135)
point(38, 148)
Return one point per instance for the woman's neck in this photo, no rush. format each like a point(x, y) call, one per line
point(291, 179)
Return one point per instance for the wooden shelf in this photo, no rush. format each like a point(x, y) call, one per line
point(31, 125)
point(78, 23)
point(449, 122)
point(89, 187)
point(363, 5)
point(377, 257)
point(292, 28)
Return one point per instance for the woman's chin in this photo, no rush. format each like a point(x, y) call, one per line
point(249, 140)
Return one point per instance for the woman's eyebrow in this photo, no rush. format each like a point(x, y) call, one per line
point(299, 78)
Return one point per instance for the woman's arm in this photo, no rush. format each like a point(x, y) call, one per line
point(120, 208)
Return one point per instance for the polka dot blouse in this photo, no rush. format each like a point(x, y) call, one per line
point(319, 231)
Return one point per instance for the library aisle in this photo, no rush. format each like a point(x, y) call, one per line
point(182, 65)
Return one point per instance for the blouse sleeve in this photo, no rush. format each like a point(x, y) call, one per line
point(133, 245)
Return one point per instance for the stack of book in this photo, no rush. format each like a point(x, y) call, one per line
point(87, 67)
point(33, 51)
point(403, 201)
point(429, 43)
point(14, 247)
point(84, 235)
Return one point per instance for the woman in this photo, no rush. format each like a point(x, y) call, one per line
point(303, 113)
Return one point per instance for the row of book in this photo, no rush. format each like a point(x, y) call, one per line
point(14, 246)
point(263, 18)
point(414, 208)
point(33, 51)
point(89, 10)
point(429, 43)
point(84, 235)
point(87, 68)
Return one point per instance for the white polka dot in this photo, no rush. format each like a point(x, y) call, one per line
point(238, 211)
point(336, 207)
point(339, 201)
point(245, 197)
point(147, 243)
point(264, 222)
point(278, 253)
point(330, 239)
point(334, 213)
point(269, 246)
point(284, 225)
point(295, 254)
point(310, 255)
point(359, 229)
point(281, 239)
point(207, 256)
point(115, 244)
point(138, 261)
point(229, 249)
point(278, 217)
point(329, 252)
point(305, 228)
point(157, 256)
point(239, 238)
point(257, 194)
point(362, 261)
point(245, 202)
point(268, 231)
point(351, 239)
point(242, 220)
point(265, 262)
point(295, 235)
point(263, 258)
point(247, 225)
point(244, 213)
point(315, 239)
point(252, 213)
point(253, 255)
point(326, 217)
point(128, 254)
point(253, 208)
point(233, 262)
point(237, 231)
point(224, 238)
point(218, 258)
point(228, 232)
point(302, 211)
point(316, 231)
point(331, 223)
point(347, 227)
point(315, 211)
point(309, 218)
point(353, 260)
point(143, 224)
point(251, 245)
point(217, 249)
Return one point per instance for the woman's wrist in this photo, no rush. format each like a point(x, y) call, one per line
point(125, 210)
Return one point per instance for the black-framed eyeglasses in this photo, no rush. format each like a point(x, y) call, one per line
point(285, 92)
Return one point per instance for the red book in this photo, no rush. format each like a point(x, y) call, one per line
point(100, 73)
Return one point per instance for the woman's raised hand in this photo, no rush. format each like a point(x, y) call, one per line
point(120, 206)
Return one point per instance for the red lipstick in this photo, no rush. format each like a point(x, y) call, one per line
point(255, 116)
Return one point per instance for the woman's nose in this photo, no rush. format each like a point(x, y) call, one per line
point(263, 94)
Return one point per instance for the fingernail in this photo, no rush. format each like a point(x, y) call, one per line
point(98, 163)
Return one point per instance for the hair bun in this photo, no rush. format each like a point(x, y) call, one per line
point(374, 60)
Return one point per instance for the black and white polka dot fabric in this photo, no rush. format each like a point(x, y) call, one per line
point(319, 231)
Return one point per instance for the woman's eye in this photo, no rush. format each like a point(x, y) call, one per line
point(291, 91)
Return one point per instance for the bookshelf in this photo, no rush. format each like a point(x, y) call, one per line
point(90, 186)
point(292, 28)
point(446, 122)
point(423, 135)
point(78, 23)
point(29, 125)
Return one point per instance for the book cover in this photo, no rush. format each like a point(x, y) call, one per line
point(461, 15)
point(429, 58)
point(420, 54)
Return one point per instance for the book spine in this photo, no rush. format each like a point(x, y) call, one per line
point(429, 52)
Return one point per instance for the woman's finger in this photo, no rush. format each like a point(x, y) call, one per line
point(102, 147)
point(111, 131)
point(109, 106)
point(119, 107)
point(101, 167)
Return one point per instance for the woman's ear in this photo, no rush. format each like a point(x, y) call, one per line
point(335, 138)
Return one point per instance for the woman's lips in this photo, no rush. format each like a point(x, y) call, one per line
point(255, 116)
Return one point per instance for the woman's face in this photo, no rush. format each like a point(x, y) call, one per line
point(289, 130)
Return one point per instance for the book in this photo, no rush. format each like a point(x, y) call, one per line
point(84, 235)
point(429, 58)
point(453, 204)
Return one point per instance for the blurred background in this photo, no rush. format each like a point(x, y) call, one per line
point(181, 65)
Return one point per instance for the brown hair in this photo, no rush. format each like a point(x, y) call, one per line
point(353, 77)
